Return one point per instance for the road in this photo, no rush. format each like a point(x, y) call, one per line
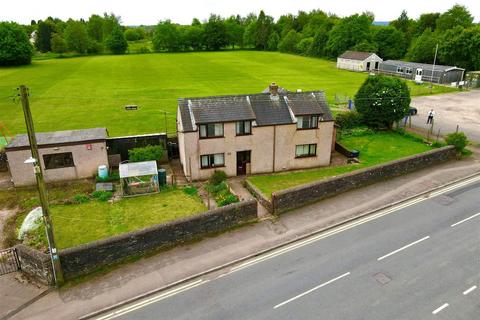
point(419, 262)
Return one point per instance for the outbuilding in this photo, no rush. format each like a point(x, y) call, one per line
point(421, 72)
point(358, 61)
point(64, 155)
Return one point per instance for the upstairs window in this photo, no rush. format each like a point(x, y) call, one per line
point(307, 122)
point(305, 150)
point(212, 160)
point(211, 130)
point(243, 128)
point(58, 160)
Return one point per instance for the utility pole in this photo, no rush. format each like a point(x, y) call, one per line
point(433, 69)
point(42, 191)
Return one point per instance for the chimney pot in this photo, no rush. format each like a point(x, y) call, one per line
point(273, 88)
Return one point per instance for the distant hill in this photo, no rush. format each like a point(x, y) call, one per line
point(381, 23)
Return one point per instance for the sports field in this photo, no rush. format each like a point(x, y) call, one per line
point(87, 92)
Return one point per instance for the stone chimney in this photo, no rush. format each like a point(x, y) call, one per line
point(273, 88)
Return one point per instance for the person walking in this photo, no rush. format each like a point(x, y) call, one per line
point(431, 114)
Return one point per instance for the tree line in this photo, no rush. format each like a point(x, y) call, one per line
point(313, 33)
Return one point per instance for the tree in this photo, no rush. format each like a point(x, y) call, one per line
point(76, 36)
point(382, 100)
point(426, 21)
point(15, 47)
point(263, 28)
point(116, 41)
point(134, 34)
point(423, 47)
point(273, 40)
point(166, 37)
point(194, 36)
point(457, 16)
point(58, 44)
point(44, 34)
point(289, 42)
point(317, 48)
point(235, 31)
point(405, 25)
point(215, 33)
point(304, 45)
point(460, 47)
point(391, 43)
point(95, 27)
point(349, 32)
point(365, 46)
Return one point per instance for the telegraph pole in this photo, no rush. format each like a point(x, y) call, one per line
point(42, 191)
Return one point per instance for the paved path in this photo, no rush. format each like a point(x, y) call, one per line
point(452, 109)
point(157, 271)
point(420, 262)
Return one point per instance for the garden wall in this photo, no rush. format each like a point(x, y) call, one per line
point(259, 196)
point(35, 264)
point(86, 258)
point(302, 195)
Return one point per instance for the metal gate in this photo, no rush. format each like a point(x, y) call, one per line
point(9, 261)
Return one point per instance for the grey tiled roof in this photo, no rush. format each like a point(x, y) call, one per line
point(259, 107)
point(356, 55)
point(425, 66)
point(60, 137)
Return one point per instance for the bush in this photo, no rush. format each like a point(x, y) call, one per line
point(115, 176)
point(458, 140)
point(147, 153)
point(230, 198)
point(218, 177)
point(15, 47)
point(191, 191)
point(349, 120)
point(102, 195)
point(81, 198)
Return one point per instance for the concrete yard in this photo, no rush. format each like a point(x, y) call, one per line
point(452, 109)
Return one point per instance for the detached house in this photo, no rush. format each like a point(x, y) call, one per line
point(256, 133)
point(358, 61)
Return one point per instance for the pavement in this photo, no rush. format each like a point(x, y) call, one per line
point(451, 109)
point(419, 262)
point(158, 271)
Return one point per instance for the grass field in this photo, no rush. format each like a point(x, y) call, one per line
point(91, 91)
point(374, 149)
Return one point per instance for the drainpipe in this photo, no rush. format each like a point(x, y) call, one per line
point(274, 143)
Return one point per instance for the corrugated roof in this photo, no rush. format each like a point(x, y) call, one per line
point(356, 55)
point(60, 137)
point(259, 107)
point(137, 169)
point(424, 66)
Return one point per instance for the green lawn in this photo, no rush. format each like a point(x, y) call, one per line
point(374, 149)
point(76, 224)
point(91, 91)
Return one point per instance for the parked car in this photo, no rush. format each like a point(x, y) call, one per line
point(413, 111)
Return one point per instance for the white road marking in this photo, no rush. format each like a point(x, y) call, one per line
point(469, 290)
point(403, 248)
point(311, 290)
point(143, 303)
point(440, 308)
point(464, 220)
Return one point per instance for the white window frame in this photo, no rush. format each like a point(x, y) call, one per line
point(217, 129)
point(306, 150)
point(214, 160)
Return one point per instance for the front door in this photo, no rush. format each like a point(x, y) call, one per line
point(376, 65)
point(243, 158)
point(368, 65)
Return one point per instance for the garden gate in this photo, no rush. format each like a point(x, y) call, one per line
point(9, 261)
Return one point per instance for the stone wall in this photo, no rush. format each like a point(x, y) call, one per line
point(86, 258)
point(35, 264)
point(302, 195)
point(3, 161)
point(259, 196)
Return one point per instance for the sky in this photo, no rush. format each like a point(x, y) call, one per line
point(149, 12)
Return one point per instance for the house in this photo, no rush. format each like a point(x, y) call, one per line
point(358, 61)
point(254, 133)
point(64, 155)
point(422, 72)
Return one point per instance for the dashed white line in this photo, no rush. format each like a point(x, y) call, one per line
point(464, 220)
point(469, 290)
point(311, 290)
point(443, 306)
point(403, 248)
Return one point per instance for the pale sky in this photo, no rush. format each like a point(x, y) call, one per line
point(135, 12)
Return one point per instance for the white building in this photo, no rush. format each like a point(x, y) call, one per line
point(358, 61)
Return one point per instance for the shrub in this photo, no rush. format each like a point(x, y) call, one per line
point(80, 198)
point(15, 47)
point(458, 140)
point(114, 176)
point(102, 195)
point(191, 191)
point(230, 198)
point(348, 120)
point(218, 177)
point(146, 153)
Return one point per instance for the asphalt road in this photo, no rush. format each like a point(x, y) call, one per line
point(419, 262)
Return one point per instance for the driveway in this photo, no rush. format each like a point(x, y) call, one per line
point(452, 109)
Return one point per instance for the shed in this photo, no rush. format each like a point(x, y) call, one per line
point(64, 155)
point(422, 71)
point(358, 61)
point(138, 178)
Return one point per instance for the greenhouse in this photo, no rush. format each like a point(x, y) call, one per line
point(137, 178)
